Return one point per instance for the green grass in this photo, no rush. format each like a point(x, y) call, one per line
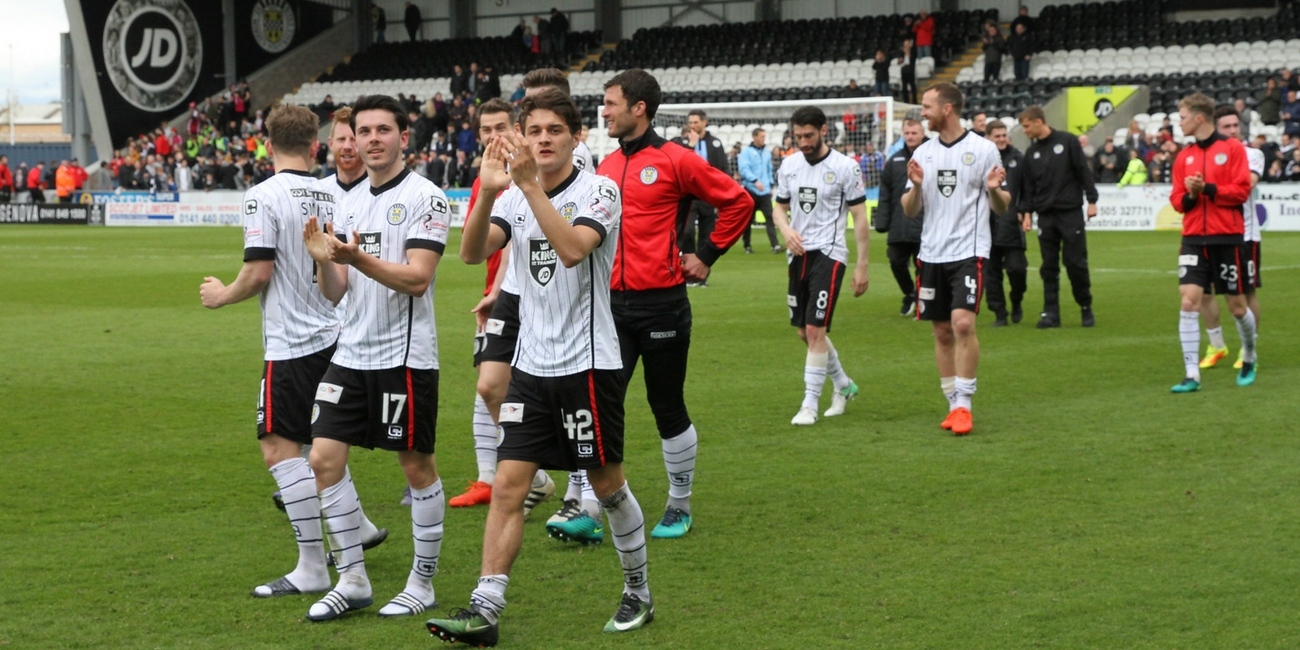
point(1090, 509)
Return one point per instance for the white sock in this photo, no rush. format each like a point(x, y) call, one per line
point(590, 504)
point(574, 491)
point(839, 378)
point(949, 386)
point(679, 460)
point(297, 486)
point(485, 442)
point(489, 597)
point(1246, 329)
point(814, 376)
point(539, 479)
point(368, 529)
point(627, 524)
point(965, 390)
point(428, 507)
point(1216, 337)
point(342, 515)
point(1189, 333)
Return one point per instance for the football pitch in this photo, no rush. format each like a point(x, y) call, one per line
point(1090, 508)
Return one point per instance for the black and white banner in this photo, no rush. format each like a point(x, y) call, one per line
point(71, 214)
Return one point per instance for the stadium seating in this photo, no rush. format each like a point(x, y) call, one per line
point(1175, 59)
point(780, 42)
point(425, 59)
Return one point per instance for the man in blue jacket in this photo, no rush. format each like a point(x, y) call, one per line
point(756, 176)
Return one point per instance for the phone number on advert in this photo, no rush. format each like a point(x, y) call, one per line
point(1125, 211)
point(209, 219)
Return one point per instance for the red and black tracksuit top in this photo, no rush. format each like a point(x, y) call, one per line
point(658, 181)
point(1215, 215)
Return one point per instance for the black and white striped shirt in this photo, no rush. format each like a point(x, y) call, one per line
point(955, 196)
point(297, 320)
point(383, 328)
point(565, 323)
point(819, 193)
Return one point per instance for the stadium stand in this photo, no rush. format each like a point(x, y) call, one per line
point(1116, 43)
point(432, 59)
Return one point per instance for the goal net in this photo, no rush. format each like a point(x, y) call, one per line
point(851, 123)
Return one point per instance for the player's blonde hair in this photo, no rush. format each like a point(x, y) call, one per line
point(341, 116)
point(293, 129)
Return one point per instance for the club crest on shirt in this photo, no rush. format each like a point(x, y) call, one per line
point(396, 214)
point(541, 260)
point(828, 178)
point(649, 175)
point(1220, 159)
point(568, 210)
point(968, 158)
point(807, 199)
point(371, 243)
point(1058, 149)
point(947, 180)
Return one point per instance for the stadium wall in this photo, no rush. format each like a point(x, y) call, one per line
point(647, 14)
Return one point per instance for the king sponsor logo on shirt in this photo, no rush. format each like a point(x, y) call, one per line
point(371, 243)
point(541, 260)
point(807, 199)
point(947, 181)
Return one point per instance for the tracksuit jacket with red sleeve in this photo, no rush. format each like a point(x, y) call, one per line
point(1214, 216)
point(658, 181)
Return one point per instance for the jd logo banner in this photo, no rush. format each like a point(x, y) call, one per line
point(153, 52)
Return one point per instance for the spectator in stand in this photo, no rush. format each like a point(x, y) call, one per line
point(1023, 19)
point(380, 20)
point(1161, 169)
point(413, 21)
point(459, 81)
point(465, 140)
point(1134, 139)
point(1244, 113)
point(907, 70)
point(542, 28)
point(162, 146)
point(1291, 114)
point(1021, 47)
point(1106, 164)
point(79, 174)
point(326, 108)
point(978, 122)
point(465, 171)
point(881, 66)
point(1275, 173)
point(733, 161)
point(6, 181)
point(559, 28)
point(853, 90)
point(492, 80)
point(994, 46)
point(1286, 146)
point(871, 163)
point(21, 193)
point(436, 170)
point(517, 35)
point(518, 95)
point(1088, 149)
point(1289, 81)
point(1269, 103)
point(183, 176)
point(64, 182)
point(1292, 169)
point(194, 121)
point(1136, 172)
point(924, 31)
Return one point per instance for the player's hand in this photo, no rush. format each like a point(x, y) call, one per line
point(693, 138)
point(483, 310)
point(523, 167)
point(997, 176)
point(1027, 221)
point(1195, 184)
point(693, 268)
point(212, 292)
point(1092, 211)
point(759, 185)
point(860, 280)
point(793, 242)
point(493, 177)
point(341, 253)
point(914, 172)
point(318, 241)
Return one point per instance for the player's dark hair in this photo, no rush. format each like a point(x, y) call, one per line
point(809, 116)
point(1198, 103)
point(695, 112)
point(948, 93)
point(546, 77)
point(379, 103)
point(555, 101)
point(492, 106)
point(994, 125)
point(1032, 113)
point(757, 131)
point(638, 86)
point(293, 129)
point(1224, 111)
